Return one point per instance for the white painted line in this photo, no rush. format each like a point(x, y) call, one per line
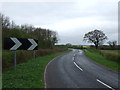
point(73, 59)
point(46, 69)
point(78, 66)
point(105, 84)
point(74, 55)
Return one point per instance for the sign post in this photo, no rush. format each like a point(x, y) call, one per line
point(20, 44)
point(34, 54)
point(15, 60)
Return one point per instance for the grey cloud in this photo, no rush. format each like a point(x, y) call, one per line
point(49, 13)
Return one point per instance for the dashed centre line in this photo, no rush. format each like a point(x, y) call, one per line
point(105, 84)
point(78, 66)
point(96, 79)
point(74, 55)
point(73, 59)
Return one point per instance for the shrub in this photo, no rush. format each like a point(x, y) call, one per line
point(24, 56)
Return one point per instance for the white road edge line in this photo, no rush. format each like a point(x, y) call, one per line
point(78, 66)
point(105, 84)
point(46, 69)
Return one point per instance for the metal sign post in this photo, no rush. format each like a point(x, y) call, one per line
point(15, 60)
point(20, 44)
point(34, 54)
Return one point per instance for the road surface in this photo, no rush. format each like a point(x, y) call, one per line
point(75, 70)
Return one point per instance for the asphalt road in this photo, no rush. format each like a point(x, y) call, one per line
point(75, 70)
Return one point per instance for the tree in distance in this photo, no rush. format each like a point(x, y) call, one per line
point(97, 37)
point(68, 44)
point(112, 44)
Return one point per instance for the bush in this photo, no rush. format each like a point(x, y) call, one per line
point(8, 58)
point(24, 56)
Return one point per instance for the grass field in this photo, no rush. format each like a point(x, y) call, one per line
point(112, 51)
point(29, 74)
point(97, 57)
point(86, 46)
point(113, 55)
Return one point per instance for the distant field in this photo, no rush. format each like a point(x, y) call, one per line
point(79, 47)
point(86, 46)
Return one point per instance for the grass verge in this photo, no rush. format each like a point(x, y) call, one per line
point(102, 60)
point(29, 74)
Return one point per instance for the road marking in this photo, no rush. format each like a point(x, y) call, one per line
point(80, 52)
point(105, 84)
point(74, 55)
point(47, 67)
point(73, 59)
point(78, 66)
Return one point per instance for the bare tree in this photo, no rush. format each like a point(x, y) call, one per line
point(97, 37)
point(5, 21)
point(112, 44)
point(68, 44)
point(13, 25)
point(54, 37)
point(27, 28)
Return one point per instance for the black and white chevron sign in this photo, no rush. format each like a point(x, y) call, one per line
point(20, 44)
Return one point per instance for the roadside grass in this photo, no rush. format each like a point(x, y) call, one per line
point(8, 55)
point(115, 51)
point(94, 55)
point(29, 74)
point(112, 51)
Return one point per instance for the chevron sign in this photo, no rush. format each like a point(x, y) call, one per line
point(20, 44)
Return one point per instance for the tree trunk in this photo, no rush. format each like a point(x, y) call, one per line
point(96, 46)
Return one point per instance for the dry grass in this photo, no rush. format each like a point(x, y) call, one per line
point(113, 55)
point(115, 52)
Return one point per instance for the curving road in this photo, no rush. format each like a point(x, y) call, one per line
point(75, 70)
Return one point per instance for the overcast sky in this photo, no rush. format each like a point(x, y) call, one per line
point(71, 20)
